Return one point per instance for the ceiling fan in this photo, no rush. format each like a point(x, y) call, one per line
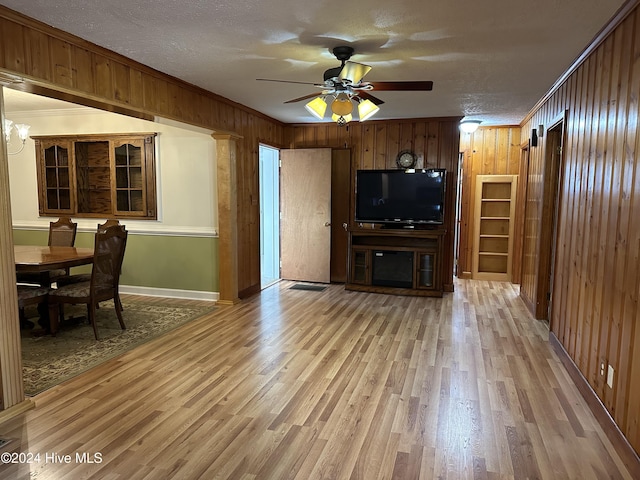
point(343, 85)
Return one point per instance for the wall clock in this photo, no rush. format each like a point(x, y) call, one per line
point(406, 159)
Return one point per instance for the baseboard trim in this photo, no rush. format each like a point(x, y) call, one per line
point(17, 409)
point(611, 429)
point(170, 293)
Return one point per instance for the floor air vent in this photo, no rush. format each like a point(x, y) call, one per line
point(304, 286)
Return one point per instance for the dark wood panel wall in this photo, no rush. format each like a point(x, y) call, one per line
point(374, 144)
point(596, 273)
point(487, 151)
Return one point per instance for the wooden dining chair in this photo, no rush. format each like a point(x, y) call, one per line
point(62, 233)
point(109, 248)
point(85, 277)
point(31, 295)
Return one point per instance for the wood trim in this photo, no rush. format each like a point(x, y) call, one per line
point(226, 159)
point(617, 438)
point(17, 409)
point(12, 391)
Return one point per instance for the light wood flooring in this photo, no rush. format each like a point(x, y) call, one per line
point(327, 385)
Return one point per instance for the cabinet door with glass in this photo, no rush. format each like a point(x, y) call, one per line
point(57, 193)
point(360, 261)
point(426, 270)
point(111, 175)
point(134, 193)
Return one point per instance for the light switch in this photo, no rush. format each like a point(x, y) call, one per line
point(610, 377)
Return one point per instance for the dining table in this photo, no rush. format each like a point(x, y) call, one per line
point(42, 260)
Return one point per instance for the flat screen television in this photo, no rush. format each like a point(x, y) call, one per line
point(402, 198)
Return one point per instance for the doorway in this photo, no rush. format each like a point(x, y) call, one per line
point(269, 159)
point(552, 180)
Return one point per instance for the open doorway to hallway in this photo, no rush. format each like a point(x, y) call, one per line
point(269, 159)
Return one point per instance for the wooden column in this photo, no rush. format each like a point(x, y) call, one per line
point(12, 398)
point(227, 217)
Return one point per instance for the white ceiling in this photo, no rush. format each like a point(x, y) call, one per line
point(490, 60)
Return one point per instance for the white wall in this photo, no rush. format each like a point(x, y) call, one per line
point(185, 169)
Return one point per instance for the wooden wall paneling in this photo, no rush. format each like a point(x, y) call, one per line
point(596, 271)
point(61, 64)
point(393, 144)
point(14, 54)
point(489, 141)
point(406, 137)
point(632, 427)
point(422, 143)
point(104, 77)
point(432, 154)
point(610, 337)
point(83, 70)
point(624, 246)
point(560, 321)
point(368, 140)
point(136, 98)
point(631, 279)
point(380, 157)
point(120, 75)
point(592, 218)
point(582, 202)
point(37, 53)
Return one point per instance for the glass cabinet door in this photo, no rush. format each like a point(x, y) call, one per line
point(57, 179)
point(360, 266)
point(426, 269)
point(129, 173)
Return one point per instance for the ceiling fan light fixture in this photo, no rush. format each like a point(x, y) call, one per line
point(469, 126)
point(342, 105)
point(353, 72)
point(342, 120)
point(367, 109)
point(317, 107)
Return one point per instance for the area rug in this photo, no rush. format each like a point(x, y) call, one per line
point(49, 361)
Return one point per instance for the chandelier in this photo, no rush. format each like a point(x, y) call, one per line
point(342, 106)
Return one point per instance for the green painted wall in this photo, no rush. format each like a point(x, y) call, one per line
point(155, 261)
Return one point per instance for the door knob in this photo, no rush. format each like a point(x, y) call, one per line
point(345, 226)
point(327, 224)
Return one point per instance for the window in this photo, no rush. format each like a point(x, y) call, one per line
point(97, 175)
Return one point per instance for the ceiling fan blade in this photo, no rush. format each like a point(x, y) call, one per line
point(291, 81)
point(367, 96)
point(353, 71)
point(406, 86)
point(299, 99)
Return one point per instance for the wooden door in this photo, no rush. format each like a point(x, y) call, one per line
point(340, 212)
point(305, 223)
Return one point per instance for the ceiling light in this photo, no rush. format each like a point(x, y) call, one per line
point(469, 126)
point(317, 107)
point(342, 120)
point(367, 109)
point(342, 107)
point(22, 130)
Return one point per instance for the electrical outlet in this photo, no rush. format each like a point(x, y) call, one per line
point(602, 369)
point(610, 377)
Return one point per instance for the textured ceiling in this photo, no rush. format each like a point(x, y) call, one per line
point(489, 60)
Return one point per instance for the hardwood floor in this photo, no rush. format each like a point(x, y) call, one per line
point(327, 385)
